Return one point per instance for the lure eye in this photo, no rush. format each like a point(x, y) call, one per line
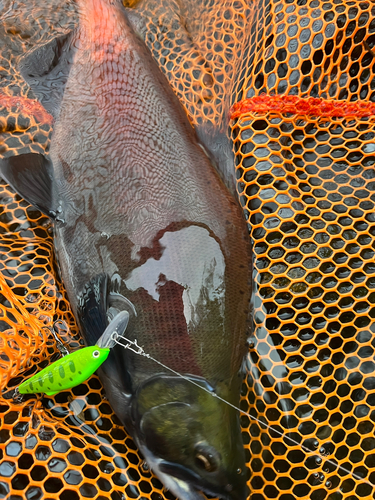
point(96, 354)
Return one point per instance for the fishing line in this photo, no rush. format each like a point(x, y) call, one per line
point(133, 346)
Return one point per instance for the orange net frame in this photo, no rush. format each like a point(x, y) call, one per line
point(299, 76)
point(294, 105)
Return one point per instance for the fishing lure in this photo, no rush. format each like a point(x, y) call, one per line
point(75, 368)
point(67, 372)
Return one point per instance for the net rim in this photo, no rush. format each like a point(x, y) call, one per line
point(296, 105)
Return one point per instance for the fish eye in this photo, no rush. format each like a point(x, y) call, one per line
point(96, 354)
point(204, 462)
point(206, 458)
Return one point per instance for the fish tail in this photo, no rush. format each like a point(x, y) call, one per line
point(99, 20)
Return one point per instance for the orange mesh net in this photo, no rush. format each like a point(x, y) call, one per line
point(305, 175)
point(198, 45)
point(305, 179)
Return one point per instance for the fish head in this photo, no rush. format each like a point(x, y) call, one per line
point(190, 438)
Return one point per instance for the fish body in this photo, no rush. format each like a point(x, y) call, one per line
point(144, 224)
point(67, 372)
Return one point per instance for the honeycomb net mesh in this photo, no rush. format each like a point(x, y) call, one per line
point(306, 183)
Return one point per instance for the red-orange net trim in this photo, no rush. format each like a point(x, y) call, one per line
point(296, 105)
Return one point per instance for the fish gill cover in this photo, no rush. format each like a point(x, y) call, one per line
point(306, 185)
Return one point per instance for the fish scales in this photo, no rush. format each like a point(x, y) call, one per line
point(143, 224)
point(141, 202)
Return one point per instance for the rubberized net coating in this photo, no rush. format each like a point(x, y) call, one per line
point(306, 184)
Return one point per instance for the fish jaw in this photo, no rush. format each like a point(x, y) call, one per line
point(180, 488)
point(191, 439)
point(185, 490)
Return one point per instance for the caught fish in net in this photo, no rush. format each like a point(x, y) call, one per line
point(304, 178)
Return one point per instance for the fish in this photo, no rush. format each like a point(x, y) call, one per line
point(143, 223)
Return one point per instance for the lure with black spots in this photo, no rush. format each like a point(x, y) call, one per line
point(67, 372)
point(77, 366)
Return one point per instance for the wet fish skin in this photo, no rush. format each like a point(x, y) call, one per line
point(181, 427)
point(142, 218)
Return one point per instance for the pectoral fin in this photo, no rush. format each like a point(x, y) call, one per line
point(98, 306)
point(92, 308)
point(117, 326)
point(31, 176)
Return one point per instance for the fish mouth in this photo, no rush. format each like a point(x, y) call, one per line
point(185, 484)
point(182, 489)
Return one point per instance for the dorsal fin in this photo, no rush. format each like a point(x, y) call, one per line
point(46, 70)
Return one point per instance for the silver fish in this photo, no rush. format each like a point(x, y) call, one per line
point(143, 224)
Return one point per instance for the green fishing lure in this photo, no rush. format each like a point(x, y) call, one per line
point(75, 368)
point(67, 372)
